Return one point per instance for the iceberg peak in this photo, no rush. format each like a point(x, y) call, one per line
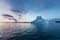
point(39, 20)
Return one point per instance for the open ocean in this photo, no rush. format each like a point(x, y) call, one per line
point(27, 31)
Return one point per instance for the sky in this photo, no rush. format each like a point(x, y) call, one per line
point(30, 9)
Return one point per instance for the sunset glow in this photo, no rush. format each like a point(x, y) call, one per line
point(6, 20)
point(5, 9)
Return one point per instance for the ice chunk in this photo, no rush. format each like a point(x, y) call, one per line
point(38, 21)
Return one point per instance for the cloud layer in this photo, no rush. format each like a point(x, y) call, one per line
point(30, 8)
point(4, 9)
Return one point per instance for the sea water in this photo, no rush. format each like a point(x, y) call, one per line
point(28, 31)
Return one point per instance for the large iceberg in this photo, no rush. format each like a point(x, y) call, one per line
point(38, 21)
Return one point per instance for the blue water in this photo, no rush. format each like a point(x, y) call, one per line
point(27, 31)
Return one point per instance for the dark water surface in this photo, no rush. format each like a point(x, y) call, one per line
point(27, 31)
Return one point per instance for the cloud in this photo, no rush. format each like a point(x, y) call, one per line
point(25, 6)
point(34, 5)
point(10, 17)
point(5, 9)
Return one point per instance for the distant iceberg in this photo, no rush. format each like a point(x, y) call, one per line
point(54, 20)
point(38, 21)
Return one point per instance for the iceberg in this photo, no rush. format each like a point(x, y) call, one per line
point(38, 21)
point(54, 20)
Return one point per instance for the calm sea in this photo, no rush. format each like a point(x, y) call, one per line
point(27, 31)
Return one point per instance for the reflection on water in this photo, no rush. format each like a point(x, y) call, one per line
point(11, 29)
point(27, 31)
